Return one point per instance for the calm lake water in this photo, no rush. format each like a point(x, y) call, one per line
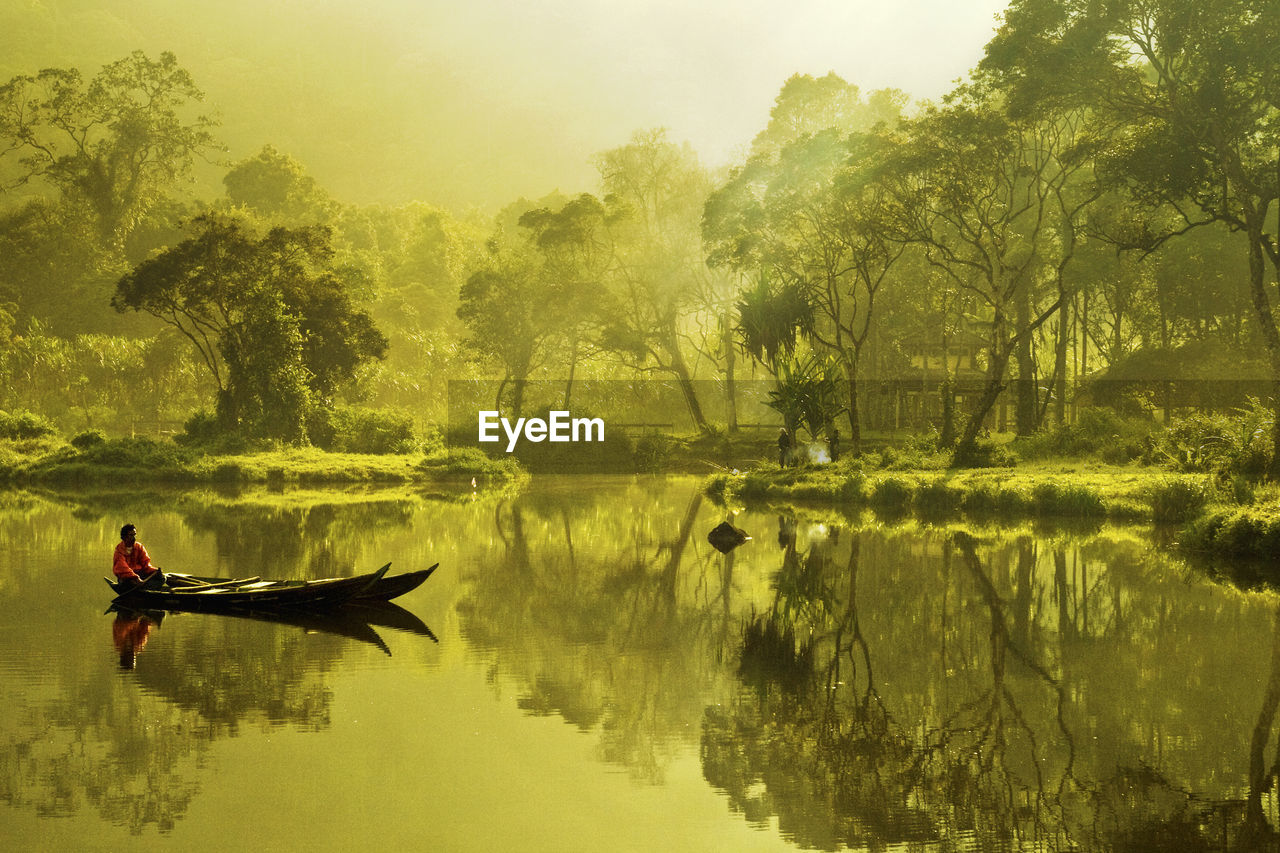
point(588, 673)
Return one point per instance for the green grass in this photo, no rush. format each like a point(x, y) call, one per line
point(145, 460)
point(1062, 489)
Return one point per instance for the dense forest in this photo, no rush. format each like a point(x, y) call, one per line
point(1088, 220)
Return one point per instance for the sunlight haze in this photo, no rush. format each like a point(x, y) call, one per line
point(473, 104)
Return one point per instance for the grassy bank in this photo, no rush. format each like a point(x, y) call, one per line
point(142, 460)
point(1052, 489)
point(1252, 531)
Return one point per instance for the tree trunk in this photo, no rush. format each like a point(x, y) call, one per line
point(1270, 334)
point(855, 429)
point(730, 387)
point(1060, 363)
point(681, 372)
point(1025, 388)
point(947, 391)
point(573, 366)
point(982, 406)
point(228, 412)
point(497, 396)
point(517, 395)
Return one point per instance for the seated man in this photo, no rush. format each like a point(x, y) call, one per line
point(131, 564)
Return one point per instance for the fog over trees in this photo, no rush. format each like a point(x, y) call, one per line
point(1088, 218)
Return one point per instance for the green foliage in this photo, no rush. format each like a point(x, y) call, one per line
point(24, 425)
point(272, 317)
point(808, 105)
point(463, 462)
point(141, 454)
point(808, 394)
point(918, 453)
point(652, 452)
point(202, 427)
point(276, 187)
point(938, 497)
point(227, 472)
point(55, 269)
point(1177, 499)
point(772, 320)
point(504, 308)
point(986, 454)
point(1236, 444)
point(111, 145)
point(115, 382)
point(992, 499)
point(1099, 432)
point(893, 493)
point(88, 438)
point(1068, 499)
point(347, 429)
point(1250, 532)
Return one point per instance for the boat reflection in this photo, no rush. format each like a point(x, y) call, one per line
point(355, 621)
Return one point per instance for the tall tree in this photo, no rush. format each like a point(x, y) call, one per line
point(578, 254)
point(276, 187)
point(271, 317)
point(1195, 91)
point(504, 306)
point(661, 186)
point(113, 144)
point(808, 105)
point(800, 214)
point(808, 219)
point(990, 195)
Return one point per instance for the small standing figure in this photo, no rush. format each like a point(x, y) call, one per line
point(131, 563)
point(834, 443)
point(784, 447)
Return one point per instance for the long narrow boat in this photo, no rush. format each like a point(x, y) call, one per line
point(248, 594)
point(384, 589)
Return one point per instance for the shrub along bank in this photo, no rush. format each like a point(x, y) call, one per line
point(142, 460)
point(1064, 489)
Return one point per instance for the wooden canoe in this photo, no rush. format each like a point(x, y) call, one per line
point(384, 589)
point(248, 594)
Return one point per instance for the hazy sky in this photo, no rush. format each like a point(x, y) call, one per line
point(480, 102)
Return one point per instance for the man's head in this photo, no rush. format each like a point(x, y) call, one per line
point(128, 533)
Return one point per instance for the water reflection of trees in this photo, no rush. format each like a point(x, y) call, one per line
point(1016, 694)
point(899, 685)
point(611, 615)
point(309, 540)
point(130, 744)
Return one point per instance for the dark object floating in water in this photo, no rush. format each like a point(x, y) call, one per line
point(176, 591)
point(724, 537)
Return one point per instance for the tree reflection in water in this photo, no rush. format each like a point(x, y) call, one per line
point(1029, 689)
point(990, 696)
point(858, 683)
point(613, 616)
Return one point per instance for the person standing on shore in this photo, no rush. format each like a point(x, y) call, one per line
point(784, 448)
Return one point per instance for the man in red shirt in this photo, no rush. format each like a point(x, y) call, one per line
point(131, 563)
